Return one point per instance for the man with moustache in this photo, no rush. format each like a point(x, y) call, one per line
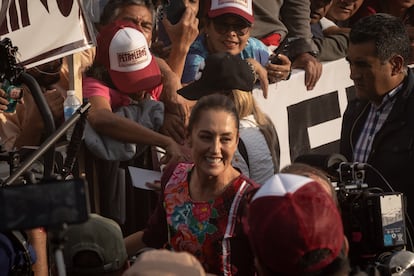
point(378, 126)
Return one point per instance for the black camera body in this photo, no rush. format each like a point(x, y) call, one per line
point(10, 72)
point(373, 220)
point(49, 204)
point(9, 68)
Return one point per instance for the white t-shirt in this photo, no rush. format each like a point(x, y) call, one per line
point(326, 23)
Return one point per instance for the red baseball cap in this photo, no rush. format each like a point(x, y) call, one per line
point(242, 8)
point(124, 51)
point(289, 217)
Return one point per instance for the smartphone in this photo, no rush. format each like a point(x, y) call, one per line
point(49, 204)
point(281, 49)
point(174, 10)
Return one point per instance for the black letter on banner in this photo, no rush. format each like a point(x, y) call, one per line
point(44, 2)
point(65, 7)
point(3, 21)
point(24, 13)
point(309, 113)
point(3, 10)
point(14, 18)
point(350, 93)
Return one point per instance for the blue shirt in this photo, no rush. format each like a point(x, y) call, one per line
point(198, 53)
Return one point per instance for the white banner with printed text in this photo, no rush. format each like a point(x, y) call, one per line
point(309, 121)
point(44, 30)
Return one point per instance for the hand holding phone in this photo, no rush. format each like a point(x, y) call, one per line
point(281, 49)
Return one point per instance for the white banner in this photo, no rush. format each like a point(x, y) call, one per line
point(308, 121)
point(44, 30)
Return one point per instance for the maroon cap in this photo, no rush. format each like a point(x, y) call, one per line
point(290, 216)
point(124, 51)
point(242, 8)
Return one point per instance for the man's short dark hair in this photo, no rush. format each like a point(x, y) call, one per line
point(339, 266)
point(386, 31)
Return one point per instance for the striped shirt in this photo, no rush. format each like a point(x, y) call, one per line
point(376, 119)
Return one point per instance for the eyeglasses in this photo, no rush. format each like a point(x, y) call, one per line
point(223, 27)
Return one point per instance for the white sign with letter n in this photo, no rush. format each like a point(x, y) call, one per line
point(44, 30)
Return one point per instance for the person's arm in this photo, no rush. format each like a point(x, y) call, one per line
point(105, 122)
point(279, 71)
point(38, 239)
point(261, 74)
point(177, 109)
point(3, 100)
point(133, 243)
point(332, 47)
point(295, 16)
point(312, 67)
point(181, 35)
point(25, 126)
point(171, 83)
point(32, 121)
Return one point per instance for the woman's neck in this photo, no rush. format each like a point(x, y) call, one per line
point(203, 187)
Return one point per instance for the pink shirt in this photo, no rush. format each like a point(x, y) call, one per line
point(94, 87)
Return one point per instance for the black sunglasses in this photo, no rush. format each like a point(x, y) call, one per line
point(222, 27)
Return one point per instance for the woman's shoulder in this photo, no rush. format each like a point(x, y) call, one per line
point(249, 188)
point(252, 135)
point(246, 183)
point(175, 173)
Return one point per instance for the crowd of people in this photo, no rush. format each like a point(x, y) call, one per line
point(223, 205)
